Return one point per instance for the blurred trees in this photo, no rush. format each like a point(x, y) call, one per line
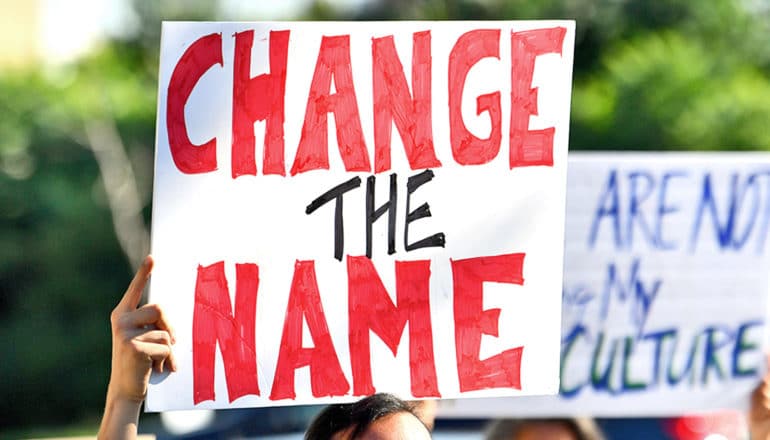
point(669, 74)
point(76, 163)
point(61, 267)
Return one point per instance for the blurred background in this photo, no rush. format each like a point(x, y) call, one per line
point(78, 85)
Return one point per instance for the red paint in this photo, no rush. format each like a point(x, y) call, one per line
point(312, 152)
point(370, 311)
point(326, 377)
point(530, 147)
point(260, 98)
point(370, 308)
point(213, 322)
point(393, 103)
point(469, 49)
point(196, 60)
point(471, 321)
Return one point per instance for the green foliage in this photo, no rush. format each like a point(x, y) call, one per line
point(61, 269)
point(682, 87)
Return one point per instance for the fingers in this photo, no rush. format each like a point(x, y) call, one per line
point(161, 321)
point(149, 315)
point(151, 345)
point(143, 334)
point(158, 353)
point(171, 362)
point(147, 331)
point(134, 292)
point(155, 337)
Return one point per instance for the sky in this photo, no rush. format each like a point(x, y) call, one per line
point(70, 28)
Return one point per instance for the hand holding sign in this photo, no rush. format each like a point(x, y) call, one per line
point(141, 340)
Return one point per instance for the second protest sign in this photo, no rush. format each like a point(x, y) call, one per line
point(665, 288)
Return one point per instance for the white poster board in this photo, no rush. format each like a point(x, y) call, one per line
point(666, 280)
point(346, 208)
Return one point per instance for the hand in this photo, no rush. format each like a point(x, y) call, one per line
point(759, 414)
point(141, 340)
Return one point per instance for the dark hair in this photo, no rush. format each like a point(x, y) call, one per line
point(358, 415)
point(582, 428)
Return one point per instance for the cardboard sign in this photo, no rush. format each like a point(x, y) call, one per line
point(347, 208)
point(665, 287)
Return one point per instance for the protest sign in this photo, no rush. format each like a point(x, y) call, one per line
point(348, 208)
point(665, 287)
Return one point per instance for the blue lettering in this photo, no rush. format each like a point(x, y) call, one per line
point(712, 346)
point(599, 380)
point(665, 209)
point(628, 383)
point(732, 215)
point(659, 338)
point(671, 377)
point(637, 197)
point(741, 346)
point(708, 204)
point(642, 296)
point(567, 344)
point(742, 210)
point(701, 360)
point(766, 222)
point(751, 184)
point(609, 195)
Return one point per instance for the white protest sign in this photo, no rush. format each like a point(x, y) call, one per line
point(347, 208)
point(665, 287)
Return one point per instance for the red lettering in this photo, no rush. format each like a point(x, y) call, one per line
point(469, 49)
point(312, 152)
point(213, 322)
point(326, 375)
point(393, 103)
point(370, 308)
point(471, 321)
point(530, 147)
point(196, 60)
point(259, 99)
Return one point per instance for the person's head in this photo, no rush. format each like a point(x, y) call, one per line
point(544, 429)
point(380, 417)
point(425, 410)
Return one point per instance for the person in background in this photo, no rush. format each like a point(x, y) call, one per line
point(544, 429)
point(377, 417)
point(425, 410)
